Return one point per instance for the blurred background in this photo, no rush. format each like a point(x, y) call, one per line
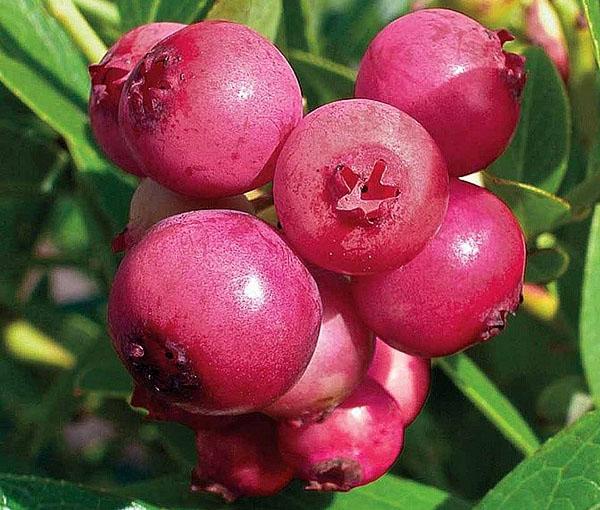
point(64, 409)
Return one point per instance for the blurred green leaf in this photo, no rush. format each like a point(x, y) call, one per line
point(299, 18)
point(261, 15)
point(183, 11)
point(105, 379)
point(546, 265)
point(387, 493)
point(490, 401)
point(18, 391)
point(27, 343)
point(537, 210)
point(589, 324)
point(42, 67)
point(28, 492)
point(565, 473)
point(592, 12)
point(553, 403)
point(322, 80)
point(138, 12)
point(538, 155)
point(179, 442)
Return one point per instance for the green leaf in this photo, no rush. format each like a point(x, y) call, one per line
point(387, 493)
point(28, 492)
point(138, 12)
point(592, 13)
point(537, 210)
point(484, 394)
point(183, 11)
point(546, 265)
point(589, 323)
point(42, 67)
point(261, 15)
point(109, 380)
point(539, 152)
point(565, 473)
point(18, 392)
point(322, 80)
point(300, 23)
point(584, 196)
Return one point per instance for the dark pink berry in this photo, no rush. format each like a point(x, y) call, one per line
point(152, 202)
point(360, 187)
point(452, 75)
point(241, 459)
point(460, 289)
point(108, 79)
point(341, 359)
point(404, 377)
point(212, 311)
point(356, 444)
point(207, 110)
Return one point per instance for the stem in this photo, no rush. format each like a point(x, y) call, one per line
point(100, 10)
point(84, 36)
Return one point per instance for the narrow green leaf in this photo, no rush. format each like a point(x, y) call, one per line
point(589, 323)
point(565, 473)
point(261, 15)
point(537, 155)
point(592, 13)
point(106, 379)
point(27, 492)
point(537, 210)
point(322, 80)
point(300, 22)
point(546, 265)
point(484, 394)
point(584, 196)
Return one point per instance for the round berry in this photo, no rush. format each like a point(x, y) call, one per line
point(451, 74)
point(214, 312)
point(207, 110)
point(341, 359)
point(108, 79)
point(460, 289)
point(360, 187)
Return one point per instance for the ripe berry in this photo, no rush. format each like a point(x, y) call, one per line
point(360, 187)
point(341, 359)
point(207, 110)
point(459, 290)
point(214, 312)
point(451, 74)
point(108, 78)
point(356, 444)
point(404, 377)
point(152, 202)
point(241, 459)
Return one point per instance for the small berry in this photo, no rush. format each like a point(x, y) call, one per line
point(404, 377)
point(452, 75)
point(152, 202)
point(460, 289)
point(341, 359)
point(356, 444)
point(360, 187)
point(108, 79)
point(240, 459)
point(207, 110)
point(212, 311)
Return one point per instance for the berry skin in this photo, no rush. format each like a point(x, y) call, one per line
point(207, 110)
point(360, 187)
point(451, 74)
point(404, 377)
point(108, 79)
point(340, 362)
point(356, 444)
point(212, 311)
point(152, 202)
point(241, 459)
point(460, 289)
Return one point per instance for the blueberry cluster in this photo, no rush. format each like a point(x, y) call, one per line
point(304, 350)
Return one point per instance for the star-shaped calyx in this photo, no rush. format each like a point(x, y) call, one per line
point(364, 197)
